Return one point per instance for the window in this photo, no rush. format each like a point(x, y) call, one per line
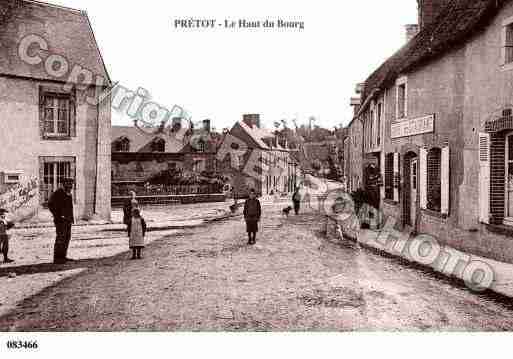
point(53, 171)
point(434, 179)
point(202, 146)
point(12, 177)
point(56, 115)
point(389, 176)
point(199, 166)
point(158, 145)
point(378, 129)
point(402, 98)
point(508, 46)
point(371, 130)
point(122, 145)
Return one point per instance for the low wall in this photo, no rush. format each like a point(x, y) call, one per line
point(171, 199)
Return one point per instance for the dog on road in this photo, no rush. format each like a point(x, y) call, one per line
point(286, 211)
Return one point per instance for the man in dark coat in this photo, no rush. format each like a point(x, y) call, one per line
point(296, 200)
point(61, 206)
point(4, 237)
point(252, 214)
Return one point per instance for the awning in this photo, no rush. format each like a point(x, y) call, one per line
point(499, 124)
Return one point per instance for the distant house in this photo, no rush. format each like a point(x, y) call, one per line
point(139, 154)
point(353, 148)
point(265, 165)
point(48, 129)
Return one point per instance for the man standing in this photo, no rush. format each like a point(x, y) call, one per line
point(4, 237)
point(296, 199)
point(61, 206)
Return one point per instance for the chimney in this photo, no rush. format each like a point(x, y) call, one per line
point(429, 11)
point(176, 124)
point(206, 126)
point(360, 88)
point(355, 103)
point(252, 120)
point(411, 31)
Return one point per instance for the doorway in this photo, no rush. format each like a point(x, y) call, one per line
point(508, 195)
point(411, 184)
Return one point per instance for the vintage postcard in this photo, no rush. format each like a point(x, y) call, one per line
point(223, 167)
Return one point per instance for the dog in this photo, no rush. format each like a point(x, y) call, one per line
point(286, 211)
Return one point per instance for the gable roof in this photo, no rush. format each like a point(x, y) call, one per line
point(68, 32)
point(259, 136)
point(459, 20)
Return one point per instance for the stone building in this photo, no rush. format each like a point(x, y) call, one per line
point(253, 157)
point(437, 121)
point(139, 154)
point(52, 124)
point(353, 150)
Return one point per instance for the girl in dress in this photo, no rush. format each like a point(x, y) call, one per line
point(136, 233)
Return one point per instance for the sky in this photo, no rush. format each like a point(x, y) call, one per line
point(221, 74)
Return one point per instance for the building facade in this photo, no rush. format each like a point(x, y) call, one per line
point(254, 158)
point(353, 146)
point(437, 118)
point(53, 124)
point(139, 154)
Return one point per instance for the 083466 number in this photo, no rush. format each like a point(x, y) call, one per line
point(21, 345)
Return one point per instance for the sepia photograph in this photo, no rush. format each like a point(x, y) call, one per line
point(256, 172)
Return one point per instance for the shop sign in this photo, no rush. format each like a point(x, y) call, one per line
point(413, 127)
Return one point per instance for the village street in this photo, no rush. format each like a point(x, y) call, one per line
point(207, 279)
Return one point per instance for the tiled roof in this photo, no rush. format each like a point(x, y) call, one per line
point(459, 20)
point(257, 134)
point(140, 139)
point(67, 31)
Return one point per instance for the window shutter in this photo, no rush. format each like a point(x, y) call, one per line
point(42, 112)
point(484, 178)
point(423, 178)
point(445, 185)
point(73, 113)
point(396, 177)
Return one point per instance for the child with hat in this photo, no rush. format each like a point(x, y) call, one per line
point(4, 237)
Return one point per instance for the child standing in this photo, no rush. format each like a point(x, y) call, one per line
point(4, 237)
point(252, 214)
point(136, 233)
